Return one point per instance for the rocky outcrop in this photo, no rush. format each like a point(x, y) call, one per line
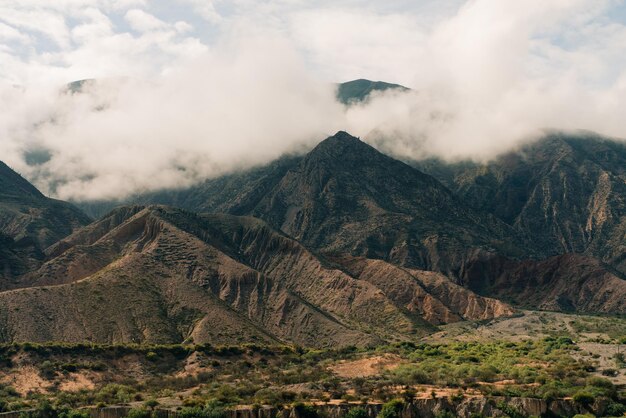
point(434, 296)
point(221, 279)
point(564, 192)
point(567, 283)
point(420, 408)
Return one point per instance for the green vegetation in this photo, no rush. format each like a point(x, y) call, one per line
point(45, 409)
point(391, 409)
point(357, 413)
point(613, 327)
point(540, 369)
point(221, 377)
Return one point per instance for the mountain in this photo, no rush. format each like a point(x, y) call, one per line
point(342, 246)
point(236, 193)
point(566, 283)
point(564, 192)
point(17, 259)
point(220, 279)
point(356, 91)
point(344, 198)
point(26, 213)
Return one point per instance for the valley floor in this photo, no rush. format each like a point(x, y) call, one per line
point(539, 355)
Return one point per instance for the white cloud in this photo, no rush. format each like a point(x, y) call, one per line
point(348, 44)
point(251, 83)
point(50, 25)
point(182, 26)
point(144, 22)
point(493, 75)
point(233, 107)
point(205, 8)
point(9, 33)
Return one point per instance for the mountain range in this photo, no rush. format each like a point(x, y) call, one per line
point(341, 246)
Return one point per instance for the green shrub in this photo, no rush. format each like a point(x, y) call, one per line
point(274, 397)
point(115, 393)
point(73, 413)
point(305, 411)
point(509, 410)
point(214, 409)
point(43, 410)
point(615, 410)
point(357, 413)
point(600, 382)
point(139, 413)
point(191, 412)
point(151, 403)
point(584, 398)
point(391, 409)
point(47, 370)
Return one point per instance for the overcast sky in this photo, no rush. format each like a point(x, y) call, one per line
point(190, 89)
point(64, 40)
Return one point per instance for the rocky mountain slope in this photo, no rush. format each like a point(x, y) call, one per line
point(341, 246)
point(213, 278)
point(566, 193)
point(565, 283)
point(346, 198)
point(17, 258)
point(26, 212)
point(235, 193)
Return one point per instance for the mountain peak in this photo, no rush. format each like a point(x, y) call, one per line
point(344, 146)
point(12, 184)
point(26, 212)
point(343, 138)
point(358, 90)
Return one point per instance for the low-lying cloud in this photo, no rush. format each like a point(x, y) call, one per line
point(230, 109)
point(483, 79)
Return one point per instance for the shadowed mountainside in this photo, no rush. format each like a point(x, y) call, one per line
point(356, 91)
point(346, 198)
point(342, 246)
point(26, 212)
point(17, 258)
point(212, 278)
point(566, 193)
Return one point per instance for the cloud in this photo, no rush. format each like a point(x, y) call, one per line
point(142, 21)
point(176, 102)
point(501, 72)
point(205, 8)
point(233, 107)
point(67, 40)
